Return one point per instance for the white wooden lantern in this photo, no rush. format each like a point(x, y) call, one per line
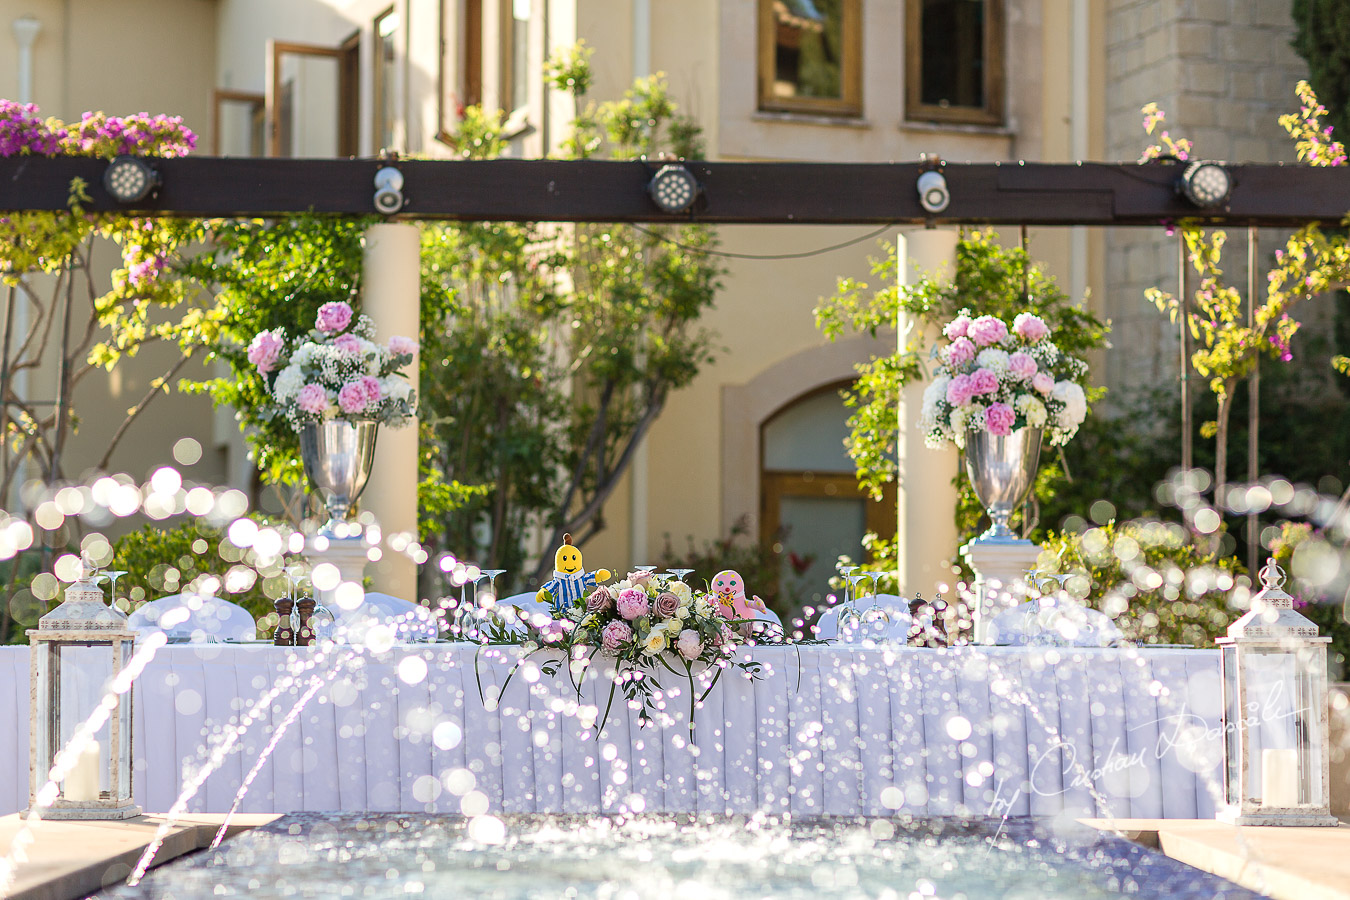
point(1276, 752)
point(78, 651)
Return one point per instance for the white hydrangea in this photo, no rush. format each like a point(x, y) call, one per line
point(1031, 409)
point(395, 388)
point(1074, 401)
point(959, 421)
point(933, 396)
point(994, 360)
point(289, 382)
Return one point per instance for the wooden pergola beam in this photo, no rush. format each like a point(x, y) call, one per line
point(1037, 194)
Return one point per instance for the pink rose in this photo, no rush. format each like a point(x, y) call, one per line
point(959, 391)
point(348, 344)
point(637, 578)
point(667, 604)
point(987, 330)
point(689, 644)
point(982, 381)
point(1022, 366)
point(960, 351)
point(265, 349)
point(633, 603)
point(312, 398)
point(998, 419)
point(1030, 328)
point(371, 386)
point(402, 346)
point(1043, 383)
point(602, 598)
point(352, 397)
point(615, 634)
point(333, 317)
point(957, 327)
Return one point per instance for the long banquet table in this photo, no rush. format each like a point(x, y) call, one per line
point(825, 730)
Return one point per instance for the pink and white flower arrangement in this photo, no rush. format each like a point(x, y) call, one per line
point(995, 378)
point(335, 371)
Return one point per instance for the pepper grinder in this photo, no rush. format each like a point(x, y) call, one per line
point(285, 633)
point(304, 633)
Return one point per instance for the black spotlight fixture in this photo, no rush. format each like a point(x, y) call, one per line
point(129, 179)
point(673, 188)
point(1205, 183)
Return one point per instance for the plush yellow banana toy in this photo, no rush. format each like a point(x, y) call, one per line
point(571, 582)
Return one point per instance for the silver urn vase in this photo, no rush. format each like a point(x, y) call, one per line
point(338, 456)
point(1002, 469)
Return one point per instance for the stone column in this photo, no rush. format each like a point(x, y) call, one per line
point(392, 298)
point(925, 497)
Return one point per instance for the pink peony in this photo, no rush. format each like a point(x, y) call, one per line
point(1043, 383)
point(352, 397)
point(987, 330)
point(615, 634)
point(371, 385)
point(633, 603)
point(348, 344)
point(265, 349)
point(999, 418)
point(602, 598)
point(960, 352)
point(959, 391)
point(333, 317)
point(1030, 328)
point(402, 346)
point(1022, 366)
point(312, 398)
point(667, 604)
point(689, 644)
point(982, 381)
point(957, 327)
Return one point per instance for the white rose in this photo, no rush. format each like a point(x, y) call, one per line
point(657, 640)
point(681, 590)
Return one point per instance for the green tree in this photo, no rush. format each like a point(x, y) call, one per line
point(1322, 38)
point(560, 344)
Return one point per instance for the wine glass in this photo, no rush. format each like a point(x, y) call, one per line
point(492, 580)
point(846, 571)
point(112, 575)
point(678, 573)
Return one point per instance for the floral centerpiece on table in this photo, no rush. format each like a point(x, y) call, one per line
point(643, 622)
point(335, 371)
point(996, 378)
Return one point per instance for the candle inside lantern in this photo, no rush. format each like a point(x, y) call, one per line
point(81, 784)
point(1279, 778)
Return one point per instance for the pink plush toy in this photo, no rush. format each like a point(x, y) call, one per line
point(729, 587)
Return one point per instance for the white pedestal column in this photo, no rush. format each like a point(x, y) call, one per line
point(925, 497)
point(347, 555)
point(1000, 574)
point(392, 298)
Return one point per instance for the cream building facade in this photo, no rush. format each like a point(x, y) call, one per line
point(769, 80)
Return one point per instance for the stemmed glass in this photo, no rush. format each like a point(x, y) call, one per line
point(678, 573)
point(648, 569)
point(492, 580)
point(112, 575)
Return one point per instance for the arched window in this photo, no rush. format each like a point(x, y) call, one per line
point(809, 496)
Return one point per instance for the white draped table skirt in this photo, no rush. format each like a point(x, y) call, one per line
point(825, 730)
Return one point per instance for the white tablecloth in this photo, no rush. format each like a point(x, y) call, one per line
point(826, 730)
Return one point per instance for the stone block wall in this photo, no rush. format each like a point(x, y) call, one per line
point(1223, 72)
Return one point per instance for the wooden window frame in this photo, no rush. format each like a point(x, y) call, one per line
point(348, 111)
point(378, 77)
point(221, 96)
point(506, 37)
point(850, 104)
point(995, 79)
